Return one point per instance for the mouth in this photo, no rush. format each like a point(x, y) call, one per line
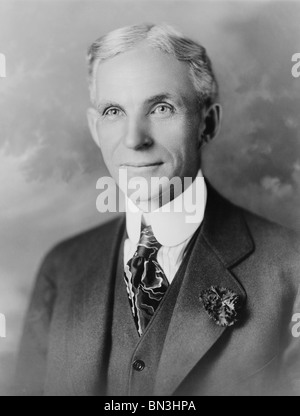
point(141, 165)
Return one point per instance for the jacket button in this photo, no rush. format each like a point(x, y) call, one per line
point(139, 365)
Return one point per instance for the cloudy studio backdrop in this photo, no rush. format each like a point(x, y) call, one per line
point(48, 163)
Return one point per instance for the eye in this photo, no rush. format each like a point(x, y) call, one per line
point(163, 110)
point(112, 112)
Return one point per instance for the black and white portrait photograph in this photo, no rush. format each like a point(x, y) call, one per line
point(150, 200)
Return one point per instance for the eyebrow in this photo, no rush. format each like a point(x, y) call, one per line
point(149, 101)
point(105, 104)
point(159, 98)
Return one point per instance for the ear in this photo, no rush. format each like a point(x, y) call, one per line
point(211, 123)
point(92, 116)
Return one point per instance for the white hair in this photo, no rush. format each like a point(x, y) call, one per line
point(164, 38)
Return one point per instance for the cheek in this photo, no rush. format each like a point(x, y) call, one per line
point(179, 137)
point(109, 135)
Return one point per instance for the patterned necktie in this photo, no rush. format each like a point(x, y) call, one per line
point(145, 280)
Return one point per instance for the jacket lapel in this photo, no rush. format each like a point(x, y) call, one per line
point(91, 311)
point(223, 241)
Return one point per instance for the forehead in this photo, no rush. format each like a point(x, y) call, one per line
point(141, 73)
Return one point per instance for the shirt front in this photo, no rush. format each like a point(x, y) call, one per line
point(172, 228)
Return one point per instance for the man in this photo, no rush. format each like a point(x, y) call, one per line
point(150, 303)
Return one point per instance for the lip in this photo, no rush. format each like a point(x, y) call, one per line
point(141, 165)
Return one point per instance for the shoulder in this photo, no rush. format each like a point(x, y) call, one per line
point(83, 247)
point(277, 249)
point(266, 235)
point(86, 239)
point(277, 238)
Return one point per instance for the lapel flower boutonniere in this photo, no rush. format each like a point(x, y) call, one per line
point(222, 305)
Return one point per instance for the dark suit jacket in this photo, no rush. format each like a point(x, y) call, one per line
point(67, 336)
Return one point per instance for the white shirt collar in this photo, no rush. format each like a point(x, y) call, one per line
point(170, 227)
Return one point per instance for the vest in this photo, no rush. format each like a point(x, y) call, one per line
point(134, 360)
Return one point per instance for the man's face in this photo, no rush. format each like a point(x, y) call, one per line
point(148, 119)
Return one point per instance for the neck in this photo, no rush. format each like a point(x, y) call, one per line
point(168, 195)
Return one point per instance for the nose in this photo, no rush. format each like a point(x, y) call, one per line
point(137, 135)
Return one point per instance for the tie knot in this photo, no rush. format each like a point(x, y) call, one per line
point(148, 246)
